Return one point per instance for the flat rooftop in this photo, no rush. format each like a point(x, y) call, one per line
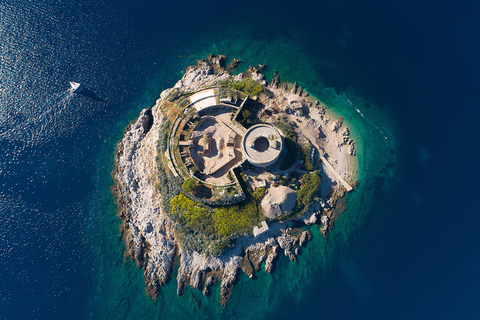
point(203, 99)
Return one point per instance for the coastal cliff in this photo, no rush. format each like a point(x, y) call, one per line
point(150, 233)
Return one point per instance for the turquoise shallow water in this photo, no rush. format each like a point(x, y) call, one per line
point(118, 291)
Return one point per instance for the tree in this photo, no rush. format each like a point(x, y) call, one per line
point(189, 185)
point(258, 194)
point(246, 114)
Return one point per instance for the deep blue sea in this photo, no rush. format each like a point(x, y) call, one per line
point(404, 75)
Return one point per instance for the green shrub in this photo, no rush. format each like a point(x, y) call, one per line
point(310, 183)
point(249, 86)
point(236, 219)
point(220, 223)
point(243, 176)
point(305, 156)
point(192, 214)
point(287, 129)
point(246, 114)
point(220, 246)
point(258, 194)
point(189, 185)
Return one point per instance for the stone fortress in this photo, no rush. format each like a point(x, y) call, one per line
point(264, 159)
point(207, 143)
point(211, 142)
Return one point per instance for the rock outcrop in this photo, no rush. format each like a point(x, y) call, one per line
point(234, 64)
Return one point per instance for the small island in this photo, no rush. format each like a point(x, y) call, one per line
point(224, 173)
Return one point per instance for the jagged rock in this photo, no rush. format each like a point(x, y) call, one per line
point(234, 64)
point(148, 228)
point(261, 67)
point(257, 76)
point(300, 92)
point(247, 266)
point(275, 81)
point(336, 125)
point(208, 284)
point(270, 258)
point(194, 75)
point(285, 242)
point(196, 278)
point(290, 255)
point(239, 77)
point(294, 88)
point(310, 216)
point(325, 220)
point(256, 254)
point(228, 279)
point(140, 217)
point(217, 62)
point(351, 150)
point(304, 238)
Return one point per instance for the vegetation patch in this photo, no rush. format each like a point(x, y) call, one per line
point(249, 86)
point(290, 144)
point(305, 155)
point(189, 185)
point(310, 183)
point(258, 194)
point(236, 219)
point(194, 215)
point(216, 226)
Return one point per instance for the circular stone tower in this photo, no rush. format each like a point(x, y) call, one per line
point(262, 145)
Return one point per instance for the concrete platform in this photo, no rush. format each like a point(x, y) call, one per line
point(262, 145)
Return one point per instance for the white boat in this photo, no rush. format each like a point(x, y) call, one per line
point(74, 86)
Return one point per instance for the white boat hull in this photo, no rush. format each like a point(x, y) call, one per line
point(74, 86)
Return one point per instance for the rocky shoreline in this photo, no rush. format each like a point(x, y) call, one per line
point(149, 233)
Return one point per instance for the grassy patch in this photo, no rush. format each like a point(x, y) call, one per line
point(305, 156)
point(220, 224)
point(194, 215)
point(236, 219)
point(310, 183)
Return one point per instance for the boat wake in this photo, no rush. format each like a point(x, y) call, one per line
point(381, 130)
